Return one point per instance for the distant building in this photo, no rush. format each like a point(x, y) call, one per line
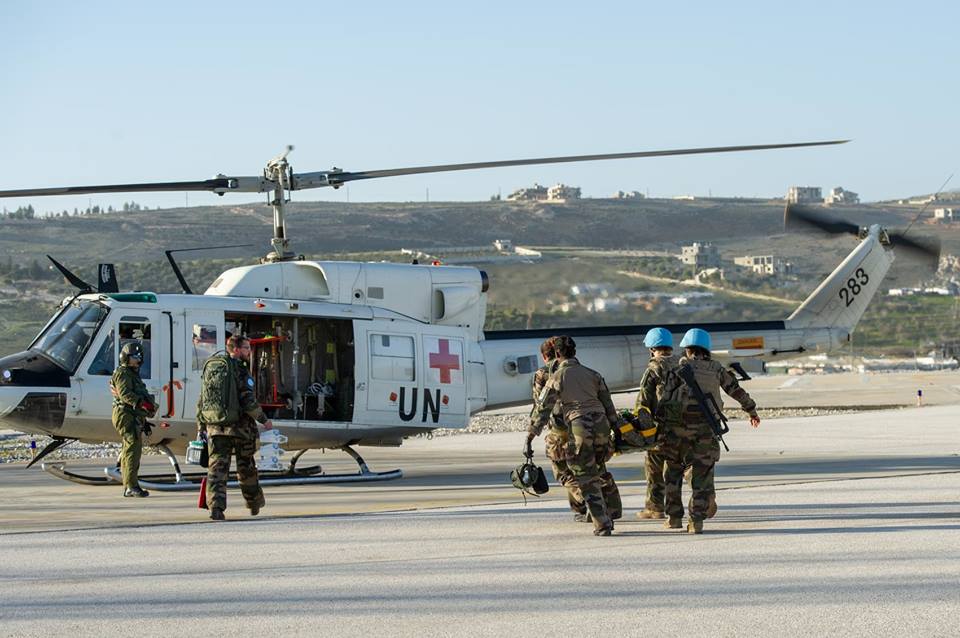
point(804, 194)
point(839, 196)
point(537, 192)
point(946, 214)
point(629, 195)
point(503, 245)
point(701, 255)
point(562, 192)
point(765, 264)
point(596, 289)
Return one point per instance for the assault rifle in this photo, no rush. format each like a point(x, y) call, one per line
point(708, 405)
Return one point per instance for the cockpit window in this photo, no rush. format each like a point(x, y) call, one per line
point(67, 338)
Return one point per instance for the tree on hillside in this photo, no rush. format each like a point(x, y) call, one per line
point(37, 271)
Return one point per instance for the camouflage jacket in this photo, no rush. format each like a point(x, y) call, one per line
point(578, 391)
point(540, 378)
point(130, 393)
point(251, 413)
point(659, 396)
point(711, 377)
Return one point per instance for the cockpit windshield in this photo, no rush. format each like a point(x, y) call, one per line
point(68, 336)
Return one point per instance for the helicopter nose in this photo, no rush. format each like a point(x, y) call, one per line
point(10, 398)
point(30, 411)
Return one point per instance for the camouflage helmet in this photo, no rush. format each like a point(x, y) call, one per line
point(131, 349)
point(528, 477)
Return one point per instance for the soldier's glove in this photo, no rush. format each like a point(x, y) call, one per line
point(148, 406)
point(146, 429)
point(528, 446)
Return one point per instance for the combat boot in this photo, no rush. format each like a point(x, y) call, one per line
point(603, 531)
point(674, 522)
point(216, 514)
point(254, 510)
point(582, 518)
point(137, 492)
point(649, 514)
point(695, 526)
point(712, 506)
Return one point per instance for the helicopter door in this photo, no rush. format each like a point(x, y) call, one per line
point(393, 381)
point(204, 336)
point(123, 326)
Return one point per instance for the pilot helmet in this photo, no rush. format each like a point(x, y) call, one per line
point(131, 350)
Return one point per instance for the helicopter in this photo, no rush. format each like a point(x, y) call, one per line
point(349, 354)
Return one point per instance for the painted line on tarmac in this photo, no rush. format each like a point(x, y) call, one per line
point(835, 480)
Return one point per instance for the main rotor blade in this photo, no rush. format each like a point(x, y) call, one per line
point(339, 178)
point(803, 217)
point(223, 184)
point(925, 248)
point(206, 185)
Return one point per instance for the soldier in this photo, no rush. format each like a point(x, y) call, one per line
point(230, 416)
point(557, 436)
point(588, 414)
point(652, 404)
point(691, 441)
point(132, 405)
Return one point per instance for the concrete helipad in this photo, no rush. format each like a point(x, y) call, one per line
point(841, 525)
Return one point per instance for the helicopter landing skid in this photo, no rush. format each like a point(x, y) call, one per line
point(180, 482)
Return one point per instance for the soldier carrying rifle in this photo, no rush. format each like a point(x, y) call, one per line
point(695, 440)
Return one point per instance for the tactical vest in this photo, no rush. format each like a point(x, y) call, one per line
point(671, 394)
point(705, 372)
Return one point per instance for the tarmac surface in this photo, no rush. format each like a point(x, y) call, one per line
point(843, 524)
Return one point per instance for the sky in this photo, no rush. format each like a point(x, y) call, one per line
point(113, 92)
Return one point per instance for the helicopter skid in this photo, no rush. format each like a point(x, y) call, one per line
point(180, 482)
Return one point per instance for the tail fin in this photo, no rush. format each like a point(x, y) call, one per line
point(842, 298)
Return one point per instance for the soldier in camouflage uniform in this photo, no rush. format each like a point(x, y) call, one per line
point(132, 405)
point(691, 441)
point(556, 437)
point(653, 404)
point(238, 439)
point(588, 414)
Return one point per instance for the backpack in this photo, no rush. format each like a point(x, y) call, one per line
point(219, 402)
point(671, 396)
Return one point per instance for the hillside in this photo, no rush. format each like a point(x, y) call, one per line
point(318, 228)
point(522, 295)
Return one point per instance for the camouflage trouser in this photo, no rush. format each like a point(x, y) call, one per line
point(556, 442)
point(693, 446)
point(221, 449)
point(587, 451)
point(129, 428)
point(653, 468)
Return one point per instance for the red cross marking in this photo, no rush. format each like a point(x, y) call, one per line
point(444, 361)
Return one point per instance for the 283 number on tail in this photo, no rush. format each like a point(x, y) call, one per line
point(854, 285)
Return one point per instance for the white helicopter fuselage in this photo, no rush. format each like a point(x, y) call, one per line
point(360, 353)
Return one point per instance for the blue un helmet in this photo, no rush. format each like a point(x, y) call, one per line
point(696, 337)
point(658, 338)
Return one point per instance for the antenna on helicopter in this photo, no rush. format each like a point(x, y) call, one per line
point(75, 281)
point(176, 267)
